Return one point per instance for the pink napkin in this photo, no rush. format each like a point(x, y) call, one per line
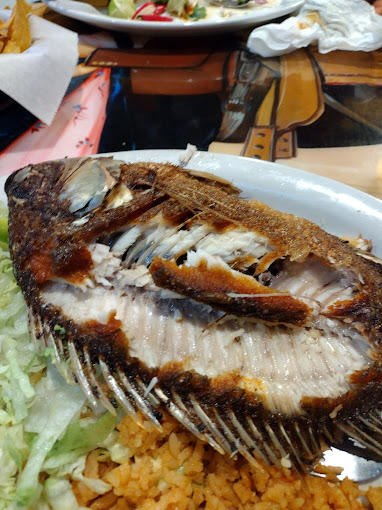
point(75, 131)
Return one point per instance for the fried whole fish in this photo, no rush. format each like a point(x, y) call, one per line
point(160, 288)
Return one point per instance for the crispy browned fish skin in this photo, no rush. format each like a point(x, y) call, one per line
point(294, 237)
point(213, 286)
point(34, 206)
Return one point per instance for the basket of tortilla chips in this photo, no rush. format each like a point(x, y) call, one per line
point(37, 60)
point(15, 34)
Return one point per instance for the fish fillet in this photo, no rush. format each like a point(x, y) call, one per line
point(161, 288)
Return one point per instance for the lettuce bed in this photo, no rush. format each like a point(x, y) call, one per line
point(46, 430)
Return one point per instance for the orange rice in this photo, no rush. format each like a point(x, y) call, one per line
point(172, 470)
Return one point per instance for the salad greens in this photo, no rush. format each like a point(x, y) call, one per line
point(156, 10)
point(124, 9)
point(42, 428)
point(198, 12)
point(176, 6)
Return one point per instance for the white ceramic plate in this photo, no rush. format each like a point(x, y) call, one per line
point(339, 209)
point(238, 19)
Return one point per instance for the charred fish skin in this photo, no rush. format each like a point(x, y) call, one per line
point(158, 287)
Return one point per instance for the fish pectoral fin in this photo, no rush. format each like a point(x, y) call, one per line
point(229, 291)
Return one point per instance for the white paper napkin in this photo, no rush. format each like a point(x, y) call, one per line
point(331, 24)
point(38, 78)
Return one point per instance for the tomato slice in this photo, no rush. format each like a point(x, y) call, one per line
point(160, 8)
point(146, 8)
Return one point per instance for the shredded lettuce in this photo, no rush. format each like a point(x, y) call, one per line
point(85, 436)
point(59, 495)
point(55, 406)
point(3, 226)
point(41, 428)
point(18, 361)
point(176, 6)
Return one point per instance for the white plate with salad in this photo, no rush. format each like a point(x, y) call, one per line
point(175, 17)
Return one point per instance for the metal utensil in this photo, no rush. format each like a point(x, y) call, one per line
point(356, 468)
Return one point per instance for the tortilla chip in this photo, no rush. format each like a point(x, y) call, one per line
point(4, 25)
point(11, 47)
point(39, 9)
point(18, 36)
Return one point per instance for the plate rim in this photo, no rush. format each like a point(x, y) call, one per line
point(282, 187)
point(180, 28)
point(287, 190)
point(336, 207)
point(298, 173)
